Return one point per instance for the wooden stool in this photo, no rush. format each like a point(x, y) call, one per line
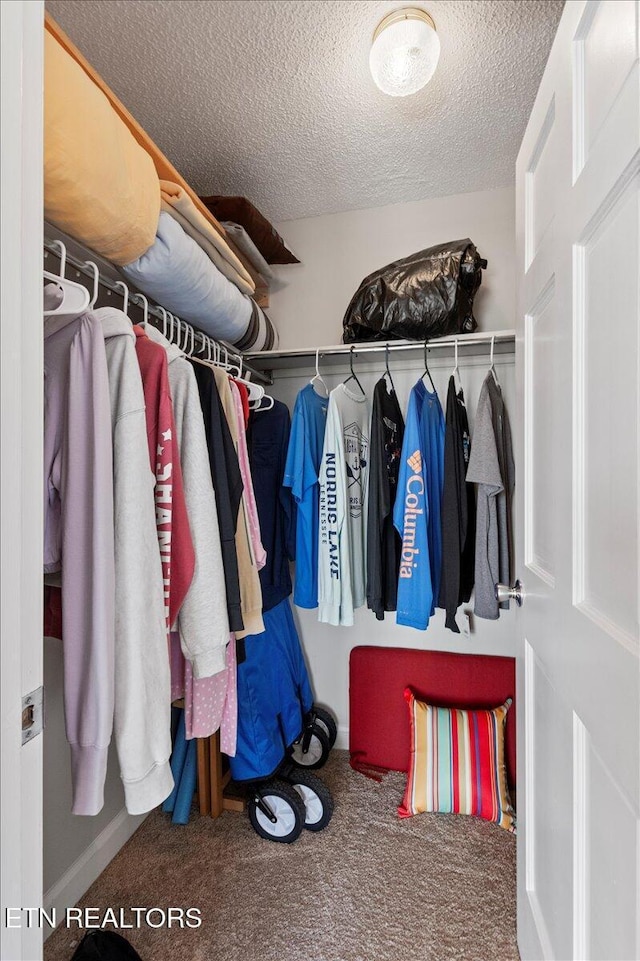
point(212, 780)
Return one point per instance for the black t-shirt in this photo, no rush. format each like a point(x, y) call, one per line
point(227, 483)
point(383, 541)
point(458, 511)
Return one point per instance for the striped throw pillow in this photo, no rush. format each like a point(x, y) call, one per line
point(457, 763)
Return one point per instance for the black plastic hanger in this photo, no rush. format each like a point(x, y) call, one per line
point(426, 369)
point(352, 375)
point(386, 364)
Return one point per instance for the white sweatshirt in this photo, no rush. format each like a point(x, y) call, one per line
point(203, 621)
point(344, 482)
point(142, 719)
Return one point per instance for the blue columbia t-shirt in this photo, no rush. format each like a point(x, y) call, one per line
point(416, 514)
point(432, 430)
point(301, 475)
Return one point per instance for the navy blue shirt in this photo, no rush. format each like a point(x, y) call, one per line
point(268, 440)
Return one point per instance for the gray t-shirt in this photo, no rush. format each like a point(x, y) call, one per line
point(492, 468)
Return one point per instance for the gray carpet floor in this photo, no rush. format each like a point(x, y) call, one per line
point(370, 887)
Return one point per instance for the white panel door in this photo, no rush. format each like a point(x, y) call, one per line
point(21, 384)
point(578, 228)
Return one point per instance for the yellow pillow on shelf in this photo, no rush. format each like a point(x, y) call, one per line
point(100, 185)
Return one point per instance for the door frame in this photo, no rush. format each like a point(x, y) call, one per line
point(21, 534)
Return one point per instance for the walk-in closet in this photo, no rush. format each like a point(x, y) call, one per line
point(320, 480)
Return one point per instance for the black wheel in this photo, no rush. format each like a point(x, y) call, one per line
point(317, 799)
point(325, 720)
point(312, 749)
point(277, 812)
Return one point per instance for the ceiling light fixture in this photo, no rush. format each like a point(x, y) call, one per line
point(404, 51)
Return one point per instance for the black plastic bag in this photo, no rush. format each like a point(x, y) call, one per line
point(428, 294)
point(105, 946)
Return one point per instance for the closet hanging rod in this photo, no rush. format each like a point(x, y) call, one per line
point(504, 341)
point(154, 311)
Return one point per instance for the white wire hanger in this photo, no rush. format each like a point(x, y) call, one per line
point(318, 376)
point(256, 391)
point(75, 297)
point(125, 296)
point(145, 309)
point(492, 369)
point(456, 370)
point(96, 282)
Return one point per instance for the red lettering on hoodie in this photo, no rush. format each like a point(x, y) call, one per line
point(172, 521)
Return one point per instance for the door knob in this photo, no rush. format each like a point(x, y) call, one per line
point(506, 593)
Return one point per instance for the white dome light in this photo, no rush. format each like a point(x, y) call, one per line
point(404, 52)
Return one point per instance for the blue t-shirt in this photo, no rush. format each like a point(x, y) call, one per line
point(416, 512)
point(432, 430)
point(301, 475)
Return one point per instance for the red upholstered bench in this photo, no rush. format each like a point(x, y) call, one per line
point(378, 717)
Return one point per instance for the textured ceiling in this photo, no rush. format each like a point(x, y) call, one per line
point(273, 98)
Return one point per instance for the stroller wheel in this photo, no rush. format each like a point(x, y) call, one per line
point(317, 799)
point(312, 749)
point(276, 812)
point(325, 721)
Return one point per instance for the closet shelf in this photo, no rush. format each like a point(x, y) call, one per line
point(468, 345)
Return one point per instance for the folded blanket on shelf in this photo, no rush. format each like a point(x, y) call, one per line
point(177, 273)
point(178, 203)
point(243, 242)
point(100, 185)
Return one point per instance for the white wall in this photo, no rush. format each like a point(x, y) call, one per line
point(338, 251)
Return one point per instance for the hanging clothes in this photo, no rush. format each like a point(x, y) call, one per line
point(79, 538)
point(227, 483)
point(344, 480)
point(301, 473)
point(383, 541)
point(250, 592)
point(252, 519)
point(142, 719)
point(210, 703)
point(458, 511)
point(244, 397)
point(411, 516)
point(417, 509)
point(491, 466)
point(172, 521)
point(268, 440)
point(432, 427)
point(203, 622)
